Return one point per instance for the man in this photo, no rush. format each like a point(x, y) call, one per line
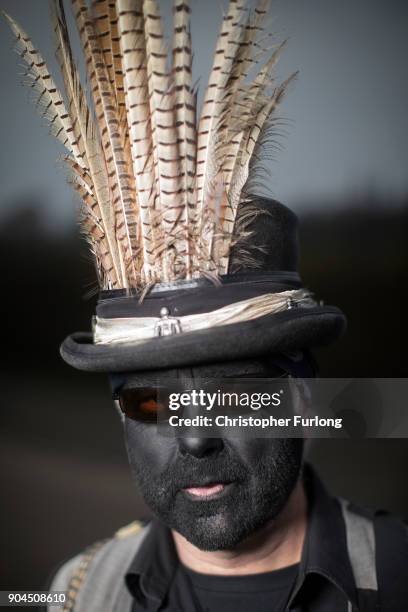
point(199, 281)
point(241, 521)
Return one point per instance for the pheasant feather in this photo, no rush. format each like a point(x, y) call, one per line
point(133, 52)
point(185, 116)
point(49, 97)
point(86, 132)
point(123, 200)
point(210, 114)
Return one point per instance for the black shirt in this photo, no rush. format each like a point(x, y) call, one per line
point(324, 581)
point(260, 592)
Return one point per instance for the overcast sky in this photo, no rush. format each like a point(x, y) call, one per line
point(348, 111)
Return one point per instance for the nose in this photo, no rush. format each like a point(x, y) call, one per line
point(200, 447)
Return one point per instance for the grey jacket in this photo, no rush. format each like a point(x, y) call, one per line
point(93, 579)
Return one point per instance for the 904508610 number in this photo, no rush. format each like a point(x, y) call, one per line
point(32, 598)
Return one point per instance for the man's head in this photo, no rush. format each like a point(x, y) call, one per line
point(254, 476)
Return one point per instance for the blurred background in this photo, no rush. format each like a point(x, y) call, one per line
point(343, 169)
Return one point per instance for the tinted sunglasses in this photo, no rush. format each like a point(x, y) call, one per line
point(140, 404)
point(146, 405)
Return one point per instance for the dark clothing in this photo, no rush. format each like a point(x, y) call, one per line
point(325, 580)
point(269, 591)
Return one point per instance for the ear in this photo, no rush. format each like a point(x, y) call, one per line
point(301, 399)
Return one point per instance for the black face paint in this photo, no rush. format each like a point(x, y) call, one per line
point(259, 476)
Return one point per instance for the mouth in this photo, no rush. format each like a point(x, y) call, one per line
point(212, 490)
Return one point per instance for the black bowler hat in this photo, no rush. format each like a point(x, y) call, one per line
point(184, 323)
point(192, 271)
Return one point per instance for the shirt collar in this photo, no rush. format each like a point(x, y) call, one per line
point(324, 552)
point(150, 574)
point(325, 548)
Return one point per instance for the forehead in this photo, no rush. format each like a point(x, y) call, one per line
point(255, 368)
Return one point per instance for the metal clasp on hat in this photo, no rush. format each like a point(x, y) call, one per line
point(167, 325)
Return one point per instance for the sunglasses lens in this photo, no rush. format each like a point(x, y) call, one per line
point(140, 404)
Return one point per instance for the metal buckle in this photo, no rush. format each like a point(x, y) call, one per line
point(167, 325)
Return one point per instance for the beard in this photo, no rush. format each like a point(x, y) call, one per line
point(257, 493)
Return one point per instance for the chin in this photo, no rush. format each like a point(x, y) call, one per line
point(213, 533)
point(222, 529)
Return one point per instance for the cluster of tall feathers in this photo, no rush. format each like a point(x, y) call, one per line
point(159, 189)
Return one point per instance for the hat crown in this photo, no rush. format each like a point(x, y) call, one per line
point(267, 238)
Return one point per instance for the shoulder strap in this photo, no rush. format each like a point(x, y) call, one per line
point(392, 561)
point(93, 584)
point(361, 547)
point(79, 575)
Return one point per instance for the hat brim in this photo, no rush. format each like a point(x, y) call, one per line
point(284, 331)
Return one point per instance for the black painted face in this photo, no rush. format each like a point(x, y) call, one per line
point(214, 491)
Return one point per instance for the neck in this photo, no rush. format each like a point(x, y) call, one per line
point(277, 545)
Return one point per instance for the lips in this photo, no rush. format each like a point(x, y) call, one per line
point(207, 491)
